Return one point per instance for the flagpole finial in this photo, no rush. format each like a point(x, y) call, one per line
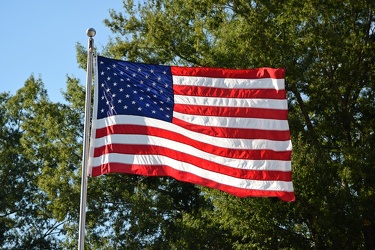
point(91, 32)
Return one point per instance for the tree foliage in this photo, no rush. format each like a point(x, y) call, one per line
point(25, 218)
point(327, 48)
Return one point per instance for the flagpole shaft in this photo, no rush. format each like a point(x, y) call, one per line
point(86, 131)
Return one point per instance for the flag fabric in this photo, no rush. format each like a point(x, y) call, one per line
point(221, 128)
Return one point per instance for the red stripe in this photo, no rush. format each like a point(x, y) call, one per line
point(162, 170)
point(196, 161)
point(274, 135)
point(246, 154)
point(232, 112)
point(228, 93)
point(275, 73)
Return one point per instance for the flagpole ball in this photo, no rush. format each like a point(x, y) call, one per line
point(91, 32)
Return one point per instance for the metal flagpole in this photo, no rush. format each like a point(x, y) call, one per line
point(86, 131)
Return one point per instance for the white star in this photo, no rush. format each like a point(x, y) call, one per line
point(102, 110)
point(166, 85)
point(133, 102)
point(119, 101)
point(153, 111)
point(139, 108)
point(108, 78)
point(152, 71)
point(115, 84)
point(102, 73)
point(147, 105)
point(139, 70)
point(159, 78)
point(114, 65)
point(108, 90)
point(141, 98)
point(164, 72)
point(127, 96)
point(125, 107)
point(121, 90)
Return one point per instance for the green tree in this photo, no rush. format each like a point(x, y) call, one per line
point(26, 222)
point(327, 48)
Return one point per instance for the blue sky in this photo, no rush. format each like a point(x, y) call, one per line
point(39, 37)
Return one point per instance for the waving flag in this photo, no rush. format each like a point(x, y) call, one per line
point(220, 128)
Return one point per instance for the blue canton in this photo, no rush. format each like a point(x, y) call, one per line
point(127, 88)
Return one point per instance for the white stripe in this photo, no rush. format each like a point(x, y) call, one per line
point(278, 146)
point(232, 102)
point(184, 148)
point(234, 122)
point(213, 140)
point(230, 83)
point(203, 173)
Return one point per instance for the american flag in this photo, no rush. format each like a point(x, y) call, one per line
point(221, 128)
